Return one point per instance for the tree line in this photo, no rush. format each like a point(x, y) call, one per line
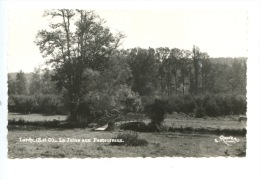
point(92, 77)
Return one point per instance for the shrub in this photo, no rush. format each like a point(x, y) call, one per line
point(44, 104)
point(189, 104)
point(111, 125)
point(200, 106)
point(163, 128)
point(239, 104)
point(224, 104)
point(22, 104)
point(147, 100)
point(11, 104)
point(231, 103)
point(156, 111)
point(179, 104)
point(50, 104)
point(120, 100)
point(211, 107)
point(129, 139)
point(175, 104)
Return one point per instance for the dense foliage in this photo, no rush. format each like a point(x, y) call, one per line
point(41, 103)
point(92, 78)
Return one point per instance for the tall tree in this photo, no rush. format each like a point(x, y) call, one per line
point(238, 76)
point(207, 80)
point(165, 69)
point(184, 68)
point(48, 86)
point(196, 66)
point(77, 41)
point(11, 85)
point(21, 83)
point(35, 83)
point(175, 57)
point(144, 68)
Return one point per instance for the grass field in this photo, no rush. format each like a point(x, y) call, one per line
point(228, 122)
point(35, 117)
point(177, 120)
point(159, 144)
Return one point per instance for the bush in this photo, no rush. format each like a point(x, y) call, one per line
point(175, 104)
point(220, 104)
point(211, 107)
point(120, 100)
point(231, 104)
point(44, 104)
point(224, 104)
point(189, 104)
point(200, 106)
point(239, 105)
point(22, 104)
point(179, 104)
point(50, 104)
point(129, 139)
point(156, 111)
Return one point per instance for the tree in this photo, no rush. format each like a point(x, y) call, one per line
point(144, 68)
point(35, 84)
point(156, 111)
point(21, 83)
point(207, 75)
point(184, 69)
point(196, 66)
point(48, 86)
point(77, 42)
point(222, 82)
point(238, 76)
point(165, 71)
point(109, 91)
point(11, 86)
point(201, 67)
point(175, 56)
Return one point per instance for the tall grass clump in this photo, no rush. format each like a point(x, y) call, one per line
point(129, 139)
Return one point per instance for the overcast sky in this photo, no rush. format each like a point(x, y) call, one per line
point(220, 33)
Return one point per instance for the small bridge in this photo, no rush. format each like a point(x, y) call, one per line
point(120, 121)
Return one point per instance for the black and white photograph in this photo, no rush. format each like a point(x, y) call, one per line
point(136, 83)
point(169, 85)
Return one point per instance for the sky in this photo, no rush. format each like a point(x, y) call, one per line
point(220, 33)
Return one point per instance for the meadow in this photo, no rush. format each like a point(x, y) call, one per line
point(160, 144)
point(92, 79)
point(36, 117)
